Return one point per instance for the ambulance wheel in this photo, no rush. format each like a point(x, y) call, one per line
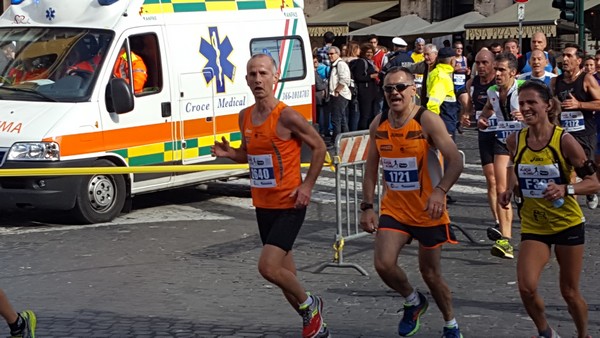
point(101, 197)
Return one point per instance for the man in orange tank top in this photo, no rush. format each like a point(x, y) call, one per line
point(407, 140)
point(272, 137)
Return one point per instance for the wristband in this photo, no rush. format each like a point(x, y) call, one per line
point(442, 189)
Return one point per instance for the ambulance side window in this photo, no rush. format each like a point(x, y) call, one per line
point(293, 47)
point(145, 63)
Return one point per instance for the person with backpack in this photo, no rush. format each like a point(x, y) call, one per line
point(321, 95)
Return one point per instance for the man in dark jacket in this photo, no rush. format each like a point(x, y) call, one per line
point(398, 57)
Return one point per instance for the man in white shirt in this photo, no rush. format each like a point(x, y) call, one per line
point(538, 62)
point(340, 95)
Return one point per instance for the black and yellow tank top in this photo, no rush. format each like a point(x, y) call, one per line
point(532, 167)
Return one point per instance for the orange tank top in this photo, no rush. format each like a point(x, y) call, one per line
point(274, 163)
point(411, 169)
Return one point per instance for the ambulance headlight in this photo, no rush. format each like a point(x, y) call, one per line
point(34, 151)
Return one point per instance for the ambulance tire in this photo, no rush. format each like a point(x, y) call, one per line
point(101, 197)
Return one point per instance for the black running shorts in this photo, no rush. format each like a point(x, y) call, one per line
point(500, 148)
point(574, 235)
point(428, 237)
point(588, 143)
point(487, 141)
point(280, 227)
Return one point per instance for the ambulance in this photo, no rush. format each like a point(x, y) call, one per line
point(127, 83)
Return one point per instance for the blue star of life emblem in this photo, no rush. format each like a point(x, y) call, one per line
point(217, 52)
point(50, 14)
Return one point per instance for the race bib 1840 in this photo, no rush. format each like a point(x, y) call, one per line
point(262, 173)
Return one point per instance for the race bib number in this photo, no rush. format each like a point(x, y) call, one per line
point(506, 128)
point(262, 173)
point(460, 79)
point(572, 121)
point(419, 80)
point(492, 122)
point(534, 178)
point(401, 174)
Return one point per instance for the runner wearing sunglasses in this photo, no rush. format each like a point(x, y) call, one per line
point(410, 141)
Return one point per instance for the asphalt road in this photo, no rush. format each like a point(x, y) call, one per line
point(183, 264)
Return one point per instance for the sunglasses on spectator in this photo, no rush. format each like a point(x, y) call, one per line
point(331, 53)
point(399, 87)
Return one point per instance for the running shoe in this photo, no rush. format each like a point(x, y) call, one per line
point(324, 333)
point(591, 201)
point(451, 332)
point(554, 334)
point(29, 328)
point(411, 320)
point(494, 233)
point(502, 249)
point(312, 322)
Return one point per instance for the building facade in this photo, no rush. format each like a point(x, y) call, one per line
point(430, 10)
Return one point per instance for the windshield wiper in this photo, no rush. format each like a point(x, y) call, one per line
point(29, 91)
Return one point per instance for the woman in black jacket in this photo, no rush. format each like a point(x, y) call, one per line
point(365, 77)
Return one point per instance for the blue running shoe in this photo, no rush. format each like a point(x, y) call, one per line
point(411, 320)
point(451, 332)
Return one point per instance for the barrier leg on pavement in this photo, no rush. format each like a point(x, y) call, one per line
point(338, 260)
point(456, 226)
point(349, 164)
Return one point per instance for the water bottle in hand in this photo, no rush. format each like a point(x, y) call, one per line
point(556, 203)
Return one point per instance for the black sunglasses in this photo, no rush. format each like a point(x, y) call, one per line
point(399, 87)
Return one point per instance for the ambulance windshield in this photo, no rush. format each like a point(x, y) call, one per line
point(50, 64)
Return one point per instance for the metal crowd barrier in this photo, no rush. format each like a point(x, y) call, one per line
point(349, 166)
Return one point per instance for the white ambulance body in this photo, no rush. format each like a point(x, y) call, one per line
point(61, 104)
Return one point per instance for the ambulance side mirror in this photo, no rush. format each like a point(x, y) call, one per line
point(119, 98)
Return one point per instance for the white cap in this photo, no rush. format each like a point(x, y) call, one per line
point(399, 42)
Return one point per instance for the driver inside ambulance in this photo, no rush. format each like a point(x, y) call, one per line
point(83, 58)
point(140, 72)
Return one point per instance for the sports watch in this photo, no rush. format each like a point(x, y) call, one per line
point(366, 206)
point(570, 189)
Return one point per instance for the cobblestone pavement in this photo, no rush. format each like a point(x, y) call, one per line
point(198, 278)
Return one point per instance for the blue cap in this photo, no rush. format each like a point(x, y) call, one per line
point(420, 40)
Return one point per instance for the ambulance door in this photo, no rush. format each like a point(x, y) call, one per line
point(197, 114)
point(145, 135)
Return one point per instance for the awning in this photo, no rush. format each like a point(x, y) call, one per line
point(448, 26)
point(337, 18)
point(395, 27)
point(540, 16)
